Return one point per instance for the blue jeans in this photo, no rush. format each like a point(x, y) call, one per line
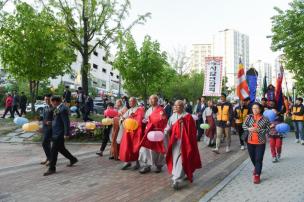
point(298, 125)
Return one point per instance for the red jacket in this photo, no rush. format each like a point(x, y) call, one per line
point(9, 101)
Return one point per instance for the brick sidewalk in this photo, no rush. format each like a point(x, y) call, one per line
point(280, 182)
point(100, 179)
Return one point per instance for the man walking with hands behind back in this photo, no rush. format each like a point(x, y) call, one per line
point(60, 128)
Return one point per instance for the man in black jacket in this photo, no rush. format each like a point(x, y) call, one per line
point(60, 128)
point(67, 96)
point(199, 112)
point(23, 102)
point(46, 119)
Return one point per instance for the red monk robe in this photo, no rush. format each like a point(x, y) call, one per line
point(185, 129)
point(130, 142)
point(157, 122)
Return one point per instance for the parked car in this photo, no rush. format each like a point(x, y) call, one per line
point(39, 105)
point(99, 106)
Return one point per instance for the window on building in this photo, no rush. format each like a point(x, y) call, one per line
point(95, 53)
point(95, 66)
point(111, 73)
point(104, 70)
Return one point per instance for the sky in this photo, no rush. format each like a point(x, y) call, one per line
point(180, 23)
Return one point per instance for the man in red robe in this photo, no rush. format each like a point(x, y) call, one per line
point(130, 143)
point(152, 153)
point(183, 156)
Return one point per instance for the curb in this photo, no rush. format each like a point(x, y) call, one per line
point(223, 183)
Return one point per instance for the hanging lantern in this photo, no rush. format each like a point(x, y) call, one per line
point(90, 126)
point(204, 126)
point(107, 121)
point(30, 127)
point(111, 113)
point(156, 136)
point(130, 124)
point(73, 109)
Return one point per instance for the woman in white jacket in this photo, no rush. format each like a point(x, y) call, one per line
point(209, 118)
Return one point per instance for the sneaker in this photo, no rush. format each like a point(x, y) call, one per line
point(278, 157)
point(227, 149)
point(297, 141)
point(256, 179)
point(216, 150)
point(274, 160)
point(242, 147)
point(302, 142)
point(175, 185)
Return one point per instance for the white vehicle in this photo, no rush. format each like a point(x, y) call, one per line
point(39, 105)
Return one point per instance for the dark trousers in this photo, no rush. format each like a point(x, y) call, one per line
point(8, 109)
point(200, 131)
point(256, 153)
point(86, 115)
point(23, 110)
point(105, 138)
point(240, 131)
point(15, 109)
point(46, 142)
point(58, 146)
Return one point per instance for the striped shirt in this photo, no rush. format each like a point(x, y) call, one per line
point(263, 125)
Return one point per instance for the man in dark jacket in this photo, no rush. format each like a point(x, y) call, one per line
point(67, 96)
point(199, 112)
point(60, 128)
point(16, 102)
point(23, 102)
point(46, 119)
point(168, 108)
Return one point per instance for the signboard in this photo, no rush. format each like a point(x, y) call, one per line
point(213, 76)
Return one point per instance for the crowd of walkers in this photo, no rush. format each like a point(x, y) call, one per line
point(182, 127)
point(14, 103)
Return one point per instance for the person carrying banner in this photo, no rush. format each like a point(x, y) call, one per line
point(224, 119)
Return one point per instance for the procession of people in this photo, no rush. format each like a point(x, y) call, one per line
point(169, 134)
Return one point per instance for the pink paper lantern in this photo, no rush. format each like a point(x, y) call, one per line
point(195, 117)
point(156, 136)
point(101, 93)
point(110, 113)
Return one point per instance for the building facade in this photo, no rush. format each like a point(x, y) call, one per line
point(198, 54)
point(102, 75)
point(231, 45)
point(264, 69)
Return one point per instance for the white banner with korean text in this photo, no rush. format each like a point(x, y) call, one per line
point(213, 76)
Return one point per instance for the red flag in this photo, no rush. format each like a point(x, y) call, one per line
point(242, 90)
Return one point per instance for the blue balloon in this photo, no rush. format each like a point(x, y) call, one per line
point(20, 121)
point(270, 115)
point(282, 128)
point(73, 109)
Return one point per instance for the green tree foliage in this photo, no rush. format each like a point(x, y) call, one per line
point(34, 46)
point(288, 36)
point(93, 23)
point(141, 69)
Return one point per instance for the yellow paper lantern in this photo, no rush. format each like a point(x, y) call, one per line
point(90, 126)
point(30, 127)
point(107, 122)
point(130, 124)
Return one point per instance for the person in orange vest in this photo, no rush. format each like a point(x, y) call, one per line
point(297, 116)
point(240, 114)
point(224, 118)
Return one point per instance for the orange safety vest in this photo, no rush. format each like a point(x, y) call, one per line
point(223, 113)
point(241, 115)
point(297, 117)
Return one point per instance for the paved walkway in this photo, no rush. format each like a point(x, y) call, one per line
point(99, 179)
point(280, 182)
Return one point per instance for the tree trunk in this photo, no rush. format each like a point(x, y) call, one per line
point(32, 94)
point(85, 68)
